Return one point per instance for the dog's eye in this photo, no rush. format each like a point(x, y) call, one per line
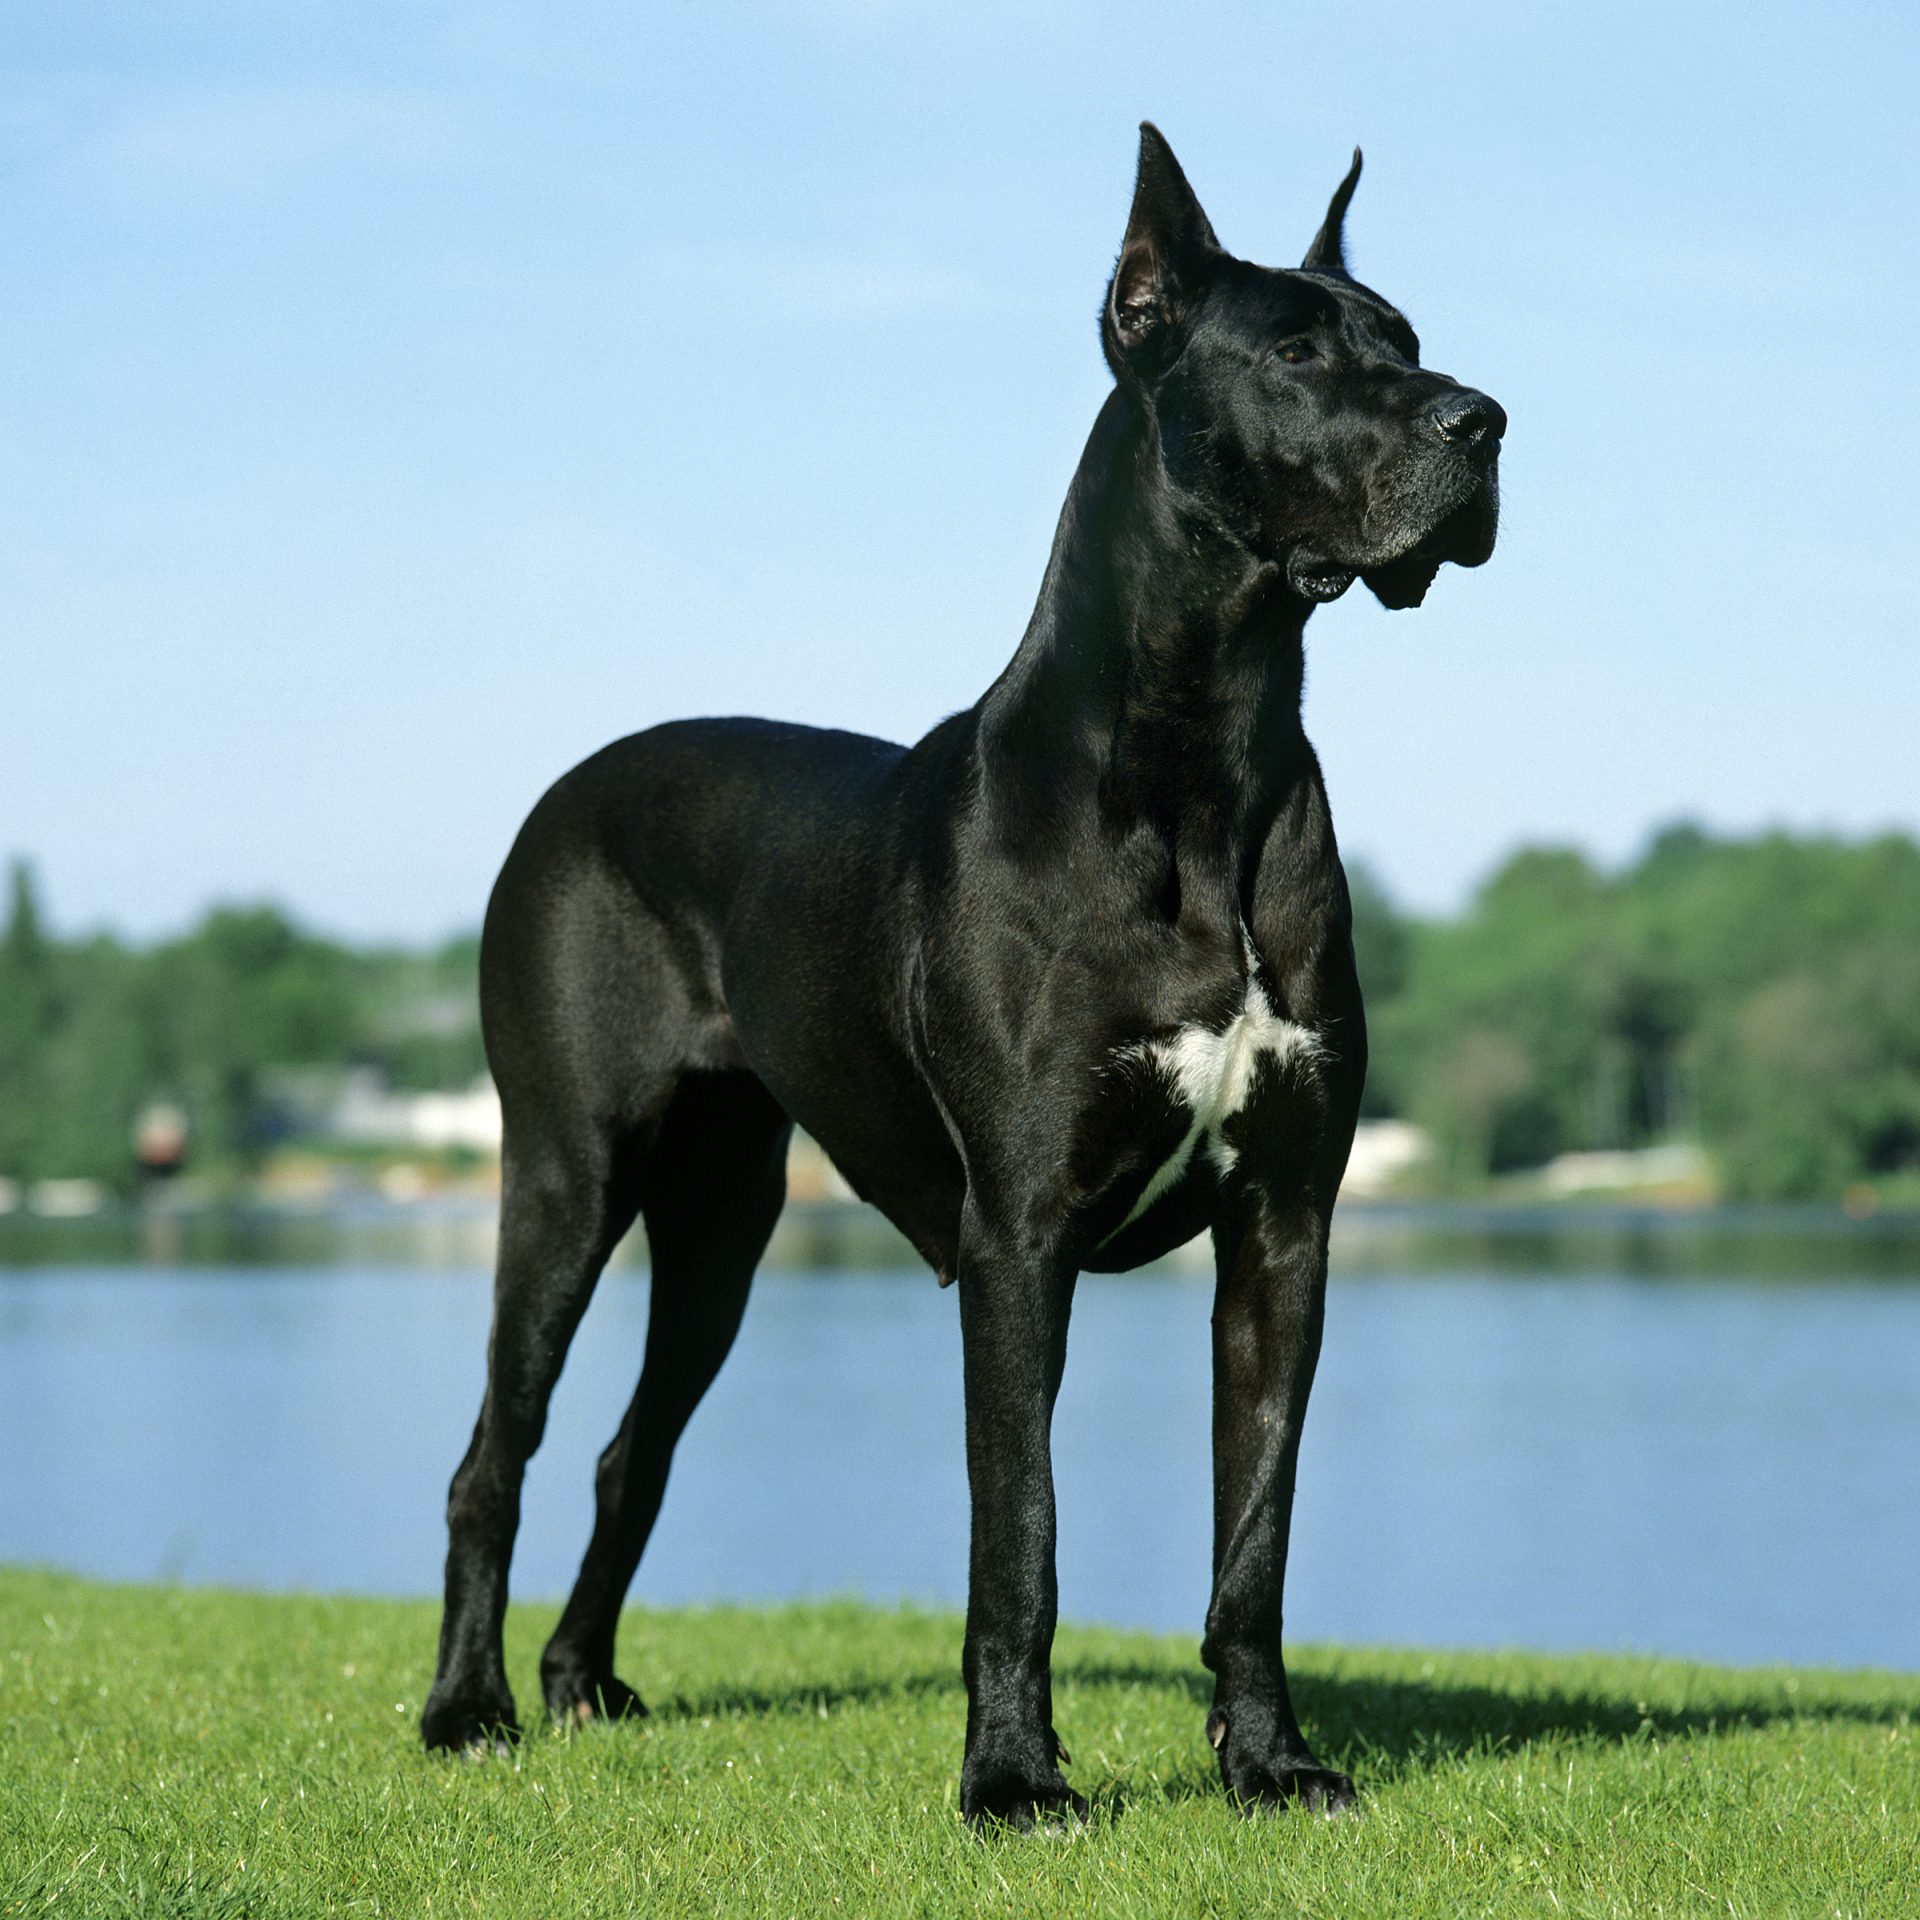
point(1296, 352)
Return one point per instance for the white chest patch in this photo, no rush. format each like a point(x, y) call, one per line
point(1213, 1074)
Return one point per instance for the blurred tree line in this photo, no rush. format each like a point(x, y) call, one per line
point(219, 1022)
point(1760, 997)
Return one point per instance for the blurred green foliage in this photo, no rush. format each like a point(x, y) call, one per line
point(1760, 996)
point(218, 1022)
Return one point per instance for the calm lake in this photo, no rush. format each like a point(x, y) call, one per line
point(1701, 1441)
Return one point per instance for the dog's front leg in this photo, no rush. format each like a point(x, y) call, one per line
point(1014, 1302)
point(1271, 1256)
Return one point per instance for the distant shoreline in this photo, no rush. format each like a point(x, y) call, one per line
point(454, 1228)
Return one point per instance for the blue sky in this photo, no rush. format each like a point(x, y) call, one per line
point(399, 401)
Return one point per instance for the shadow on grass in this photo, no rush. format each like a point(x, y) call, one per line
point(1387, 1728)
point(802, 1697)
point(1383, 1728)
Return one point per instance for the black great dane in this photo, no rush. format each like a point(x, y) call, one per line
point(1057, 988)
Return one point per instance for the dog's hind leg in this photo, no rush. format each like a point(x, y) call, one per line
point(591, 1023)
point(710, 1192)
point(562, 1211)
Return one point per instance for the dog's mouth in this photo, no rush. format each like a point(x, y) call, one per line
point(1404, 583)
point(1464, 536)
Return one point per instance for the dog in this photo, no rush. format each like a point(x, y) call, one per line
point(1057, 988)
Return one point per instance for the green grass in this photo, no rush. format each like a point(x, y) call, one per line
point(191, 1753)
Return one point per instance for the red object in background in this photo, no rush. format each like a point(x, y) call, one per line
point(160, 1140)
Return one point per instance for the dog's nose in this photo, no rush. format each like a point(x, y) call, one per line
point(1470, 419)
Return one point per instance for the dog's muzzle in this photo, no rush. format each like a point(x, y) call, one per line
point(1464, 536)
point(1446, 508)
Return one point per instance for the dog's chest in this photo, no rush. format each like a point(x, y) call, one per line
point(1211, 1072)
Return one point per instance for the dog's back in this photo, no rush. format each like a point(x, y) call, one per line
point(620, 886)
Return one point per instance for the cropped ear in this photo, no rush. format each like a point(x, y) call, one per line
point(1162, 266)
point(1328, 254)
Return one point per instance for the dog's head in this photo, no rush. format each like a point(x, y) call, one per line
point(1293, 405)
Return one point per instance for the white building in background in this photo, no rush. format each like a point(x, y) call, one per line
point(56, 1199)
point(1384, 1152)
point(370, 1113)
point(1679, 1163)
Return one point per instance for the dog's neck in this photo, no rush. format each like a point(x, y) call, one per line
point(1160, 676)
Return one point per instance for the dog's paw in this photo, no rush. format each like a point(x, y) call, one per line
point(1023, 1806)
point(1001, 1792)
point(1258, 1785)
point(1318, 1789)
point(576, 1698)
point(476, 1722)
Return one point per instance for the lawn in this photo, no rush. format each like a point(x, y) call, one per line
point(192, 1753)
